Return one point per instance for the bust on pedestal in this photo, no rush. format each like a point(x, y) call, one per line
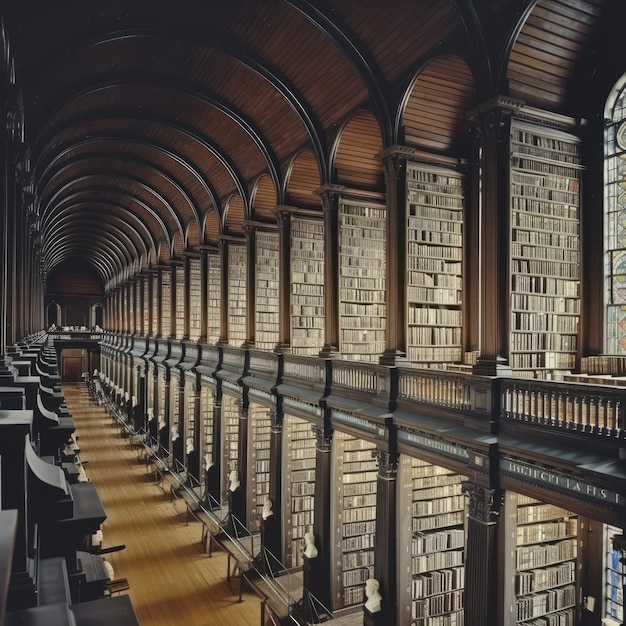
point(372, 606)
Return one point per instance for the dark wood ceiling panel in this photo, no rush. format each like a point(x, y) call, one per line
point(541, 75)
point(264, 200)
point(356, 161)
point(302, 182)
point(235, 215)
point(436, 107)
point(408, 31)
point(212, 228)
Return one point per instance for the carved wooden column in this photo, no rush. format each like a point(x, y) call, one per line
point(317, 573)
point(240, 509)
point(250, 231)
point(395, 161)
point(223, 252)
point(204, 294)
point(213, 471)
point(330, 201)
point(385, 548)
point(284, 279)
point(187, 296)
point(272, 529)
point(490, 279)
point(481, 556)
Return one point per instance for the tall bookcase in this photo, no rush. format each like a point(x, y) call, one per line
point(544, 542)
point(431, 536)
point(230, 438)
point(156, 301)
point(189, 431)
point(206, 430)
point(614, 572)
point(214, 291)
point(299, 445)
point(179, 310)
point(146, 304)
point(166, 303)
point(175, 405)
point(267, 303)
point(307, 286)
point(237, 280)
point(545, 251)
point(434, 265)
point(258, 488)
point(362, 295)
point(195, 299)
point(355, 477)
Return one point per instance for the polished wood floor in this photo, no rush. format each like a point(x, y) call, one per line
point(173, 582)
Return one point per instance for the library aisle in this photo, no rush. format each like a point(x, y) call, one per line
point(172, 580)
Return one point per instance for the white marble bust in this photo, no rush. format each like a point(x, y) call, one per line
point(372, 603)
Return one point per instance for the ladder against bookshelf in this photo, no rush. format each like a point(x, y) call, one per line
point(362, 293)
point(614, 572)
point(195, 298)
point(355, 479)
point(545, 539)
point(545, 251)
point(434, 265)
point(307, 286)
point(267, 304)
point(237, 282)
point(214, 297)
point(258, 488)
point(432, 533)
point(298, 486)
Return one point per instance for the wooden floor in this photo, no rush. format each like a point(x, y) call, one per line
point(173, 582)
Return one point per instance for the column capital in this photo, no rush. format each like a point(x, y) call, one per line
point(484, 504)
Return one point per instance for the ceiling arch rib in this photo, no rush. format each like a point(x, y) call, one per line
point(204, 194)
point(144, 196)
point(177, 196)
point(153, 228)
point(133, 239)
point(193, 147)
point(124, 94)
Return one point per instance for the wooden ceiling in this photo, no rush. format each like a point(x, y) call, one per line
point(154, 126)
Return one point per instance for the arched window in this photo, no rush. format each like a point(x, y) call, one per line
point(615, 223)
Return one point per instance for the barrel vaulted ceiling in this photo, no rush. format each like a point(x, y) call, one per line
point(154, 127)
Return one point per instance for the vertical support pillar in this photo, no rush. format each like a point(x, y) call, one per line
point(284, 280)
point(481, 556)
point(330, 195)
point(224, 330)
point(272, 531)
point(250, 231)
point(204, 295)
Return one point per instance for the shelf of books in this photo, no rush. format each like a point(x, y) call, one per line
point(307, 286)
point(190, 412)
point(614, 571)
point(195, 299)
point(175, 426)
point(355, 473)
point(432, 532)
point(545, 541)
point(214, 299)
point(237, 305)
point(166, 303)
point(362, 294)
point(258, 489)
point(299, 445)
point(434, 265)
point(545, 251)
point(230, 438)
point(267, 303)
point(179, 291)
point(206, 429)
point(137, 291)
point(154, 277)
point(146, 306)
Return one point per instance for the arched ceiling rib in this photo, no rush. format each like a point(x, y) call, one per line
point(154, 119)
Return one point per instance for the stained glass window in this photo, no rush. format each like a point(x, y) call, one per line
point(615, 229)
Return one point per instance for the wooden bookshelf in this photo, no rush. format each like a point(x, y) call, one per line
point(154, 277)
point(166, 303)
point(545, 548)
point(258, 488)
point(434, 265)
point(355, 472)
point(545, 251)
point(214, 291)
point(206, 430)
point(146, 304)
point(179, 311)
point(230, 438)
point(237, 288)
point(267, 302)
point(614, 572)
point(195, 299)
point(174, 424)
point(307, 286)
point(362, 294)
point(189, 430)
point(432, 529)
point(298, 486)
